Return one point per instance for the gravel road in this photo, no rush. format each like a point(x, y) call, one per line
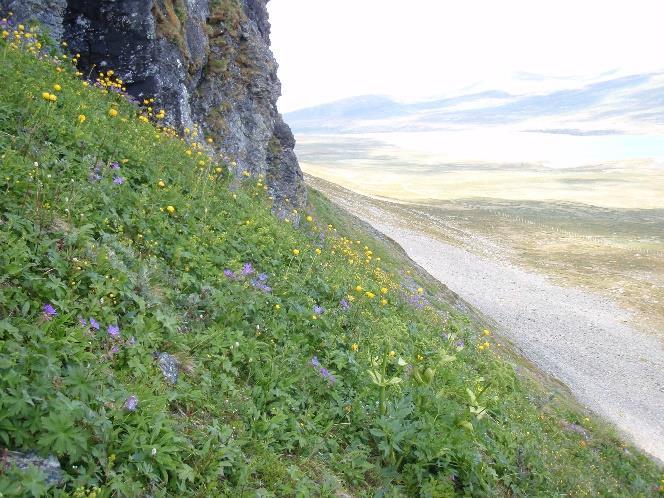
point(580, 338)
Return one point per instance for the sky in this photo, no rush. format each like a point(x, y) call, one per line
point(419, 49)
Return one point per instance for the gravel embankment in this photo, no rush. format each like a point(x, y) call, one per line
point(582, 339)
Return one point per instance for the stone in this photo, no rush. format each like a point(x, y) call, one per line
point(50, 467)
point(169, 367)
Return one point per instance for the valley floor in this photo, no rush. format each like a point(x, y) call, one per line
point(581, 338)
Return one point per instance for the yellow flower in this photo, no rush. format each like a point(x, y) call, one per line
point(52, 98)
point(354, 347)
point(246, 174)
point(277, 307)
point(189, 152)
point(112, 112)
point(358, 288)
point(420, 290)
point(314, 317)
point(370, 295)
point(296, 252)
point(217, 170)
point(318, 251)
point(392, 354)
point(161, 184)
point(351, 298)
point(57, 87)
point(486, 332)
point(310, 219)
point(420, 357)
point(170, 209)
point(383, 290)
point(383, 302)
point(81, 118)
point(85, 83)
point(210, 140)
point(46, 96)
point(5, 34)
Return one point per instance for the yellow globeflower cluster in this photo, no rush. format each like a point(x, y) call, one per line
point(106, 81)
point(113, 113)
point(49, 96)
point(81, 118)
point(483, 346)
point(170, 209)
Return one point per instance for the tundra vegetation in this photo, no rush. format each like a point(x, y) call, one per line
point(163, 334)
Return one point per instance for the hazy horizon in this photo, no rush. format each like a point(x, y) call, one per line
point(430, 49)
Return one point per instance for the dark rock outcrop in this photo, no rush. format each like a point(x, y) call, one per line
point(50, 467)
point(207, 62)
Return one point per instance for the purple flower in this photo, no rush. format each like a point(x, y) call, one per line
point(345, 305)
point(459, 344)
point(49, 311)
point(132, 403)
point(257, 284)
point(319, 310)
point(115, 350)
point(82, 321)
point(247, 269)
point(118, 180)
point(114, 166)
point(262, 277)
point(229, 273)
point(131, 341)
point(315, 362)
point(94, 324)
point(113, 331)
point(327, 375)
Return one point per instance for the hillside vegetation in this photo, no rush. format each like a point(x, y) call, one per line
point(163, 334)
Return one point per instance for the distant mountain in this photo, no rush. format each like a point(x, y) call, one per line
point(591, 109)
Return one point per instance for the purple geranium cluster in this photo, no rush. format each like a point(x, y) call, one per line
point(49, 311)
point(324, 372)
point(93, 325)
point(258, 282)
point(418, 301)
point(345, 305)
point(319, 310)
point(96, 173)
point(117, 179)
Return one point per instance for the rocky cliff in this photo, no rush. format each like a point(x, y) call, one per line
point(207, 62)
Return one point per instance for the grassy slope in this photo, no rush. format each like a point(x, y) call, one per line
point(250, 414)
